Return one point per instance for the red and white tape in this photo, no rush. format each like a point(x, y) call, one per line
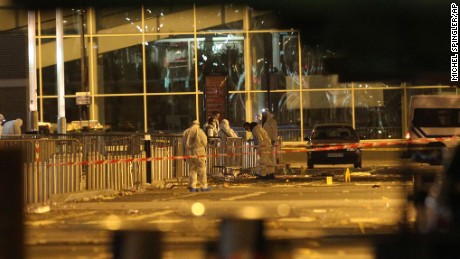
point(301, 149)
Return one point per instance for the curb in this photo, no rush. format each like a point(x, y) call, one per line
point(78, 196)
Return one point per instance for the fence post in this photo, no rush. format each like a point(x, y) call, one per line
point(148, 155)
point(181, 168)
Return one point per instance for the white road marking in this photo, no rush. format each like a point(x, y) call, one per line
point(132, 217)
point(365, 220)
point(41, 223)
point(150, 215)
point(299, 219)
point(58, 218)
point(166, 221)
point(243, 196)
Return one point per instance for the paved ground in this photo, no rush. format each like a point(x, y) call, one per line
point(303, 216)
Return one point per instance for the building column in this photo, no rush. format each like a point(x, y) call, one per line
point(32, 49)
point(61, 121)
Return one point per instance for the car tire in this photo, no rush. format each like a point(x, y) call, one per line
point(310, 164)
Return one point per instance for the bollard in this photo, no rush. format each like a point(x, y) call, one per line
point(347, 175)
point(242, 238)
point(137, 244)
point(148, 155)
point(33, 121)
point(11, 206)
point(329, 180)
point(62, 125)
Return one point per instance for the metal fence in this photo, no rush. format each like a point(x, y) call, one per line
point(225, 156)
point(58, 164)
point(228, 155)
point(164, 149)
point(40, 179)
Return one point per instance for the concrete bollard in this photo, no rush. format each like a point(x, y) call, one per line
point(242, 238)
point(148, 155)
point(137, 244)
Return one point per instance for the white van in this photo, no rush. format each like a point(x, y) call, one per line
point(433, 116)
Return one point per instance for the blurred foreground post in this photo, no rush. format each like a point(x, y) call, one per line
point(11, 204)
point(242, 238)
point(137, 244)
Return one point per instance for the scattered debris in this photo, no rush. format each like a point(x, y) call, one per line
point(361, 174)
point(39, 209)
point(169, 186)
point(133, 212)
point(106, 198)
point(125, 193)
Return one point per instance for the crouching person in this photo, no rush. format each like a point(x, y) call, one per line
point(195, 142)
point(263, 147)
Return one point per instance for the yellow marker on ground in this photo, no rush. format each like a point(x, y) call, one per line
point(347, 175)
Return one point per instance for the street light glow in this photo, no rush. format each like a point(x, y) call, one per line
point(112, 222)
point(198, 209)
point(283, 210)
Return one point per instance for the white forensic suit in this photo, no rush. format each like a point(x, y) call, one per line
point(12, 127)
point(271, 127)
point(264, 147)
point(195, 142)
point(231, 141)
point(225, 131)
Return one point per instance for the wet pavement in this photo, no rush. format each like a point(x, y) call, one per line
point(304, 215)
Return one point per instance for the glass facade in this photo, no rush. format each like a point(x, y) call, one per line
point(156, 69)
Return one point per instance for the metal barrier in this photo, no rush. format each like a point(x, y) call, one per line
point(249, 155)
point(163, 149)
point(58, 164)
point(227, 155)
point(119, 150)
point(276, 152)
point(41, 180)
point(214, 162)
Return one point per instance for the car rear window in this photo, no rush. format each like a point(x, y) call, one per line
point(334, 133)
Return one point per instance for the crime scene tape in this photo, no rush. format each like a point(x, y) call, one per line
point(299, 149)
point(143, 159)
point(37, 152)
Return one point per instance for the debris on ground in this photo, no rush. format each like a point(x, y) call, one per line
point(38, 209)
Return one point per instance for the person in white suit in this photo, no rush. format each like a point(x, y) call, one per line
point(12, 127)
point(195, 142)
point(263, 145)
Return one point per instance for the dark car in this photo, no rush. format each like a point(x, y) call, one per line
point(325, 136)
